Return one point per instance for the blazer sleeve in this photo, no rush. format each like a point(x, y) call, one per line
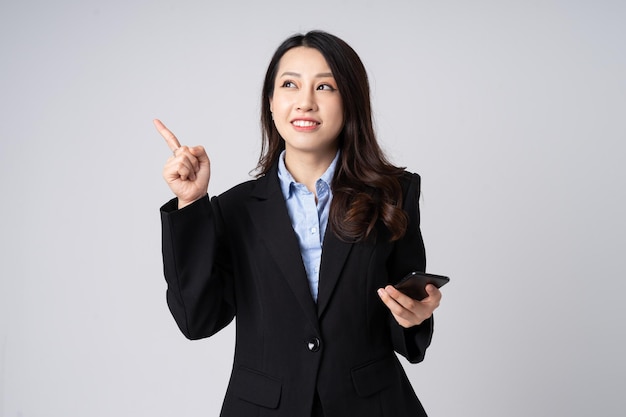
point(409, 255)
point(197, 268)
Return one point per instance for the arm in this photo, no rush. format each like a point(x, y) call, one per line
point(195, 258)
point(196, 267)
point(411, 321)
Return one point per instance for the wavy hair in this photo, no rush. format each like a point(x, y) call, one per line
point(366, 186)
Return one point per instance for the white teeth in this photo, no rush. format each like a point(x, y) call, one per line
point(303, 123)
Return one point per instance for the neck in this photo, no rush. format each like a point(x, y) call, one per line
point(307, 168)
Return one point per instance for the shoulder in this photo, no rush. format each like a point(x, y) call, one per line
point(234, 198)
point(260, 187)
point(410, 183)
point(238, 191)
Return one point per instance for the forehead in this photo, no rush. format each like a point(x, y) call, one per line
point(303, 60)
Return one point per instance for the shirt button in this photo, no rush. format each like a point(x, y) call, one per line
point(314, 344)
point(313, 229)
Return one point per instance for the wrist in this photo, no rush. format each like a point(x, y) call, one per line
point(184, 203)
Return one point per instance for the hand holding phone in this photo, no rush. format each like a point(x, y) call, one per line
point(414, 284)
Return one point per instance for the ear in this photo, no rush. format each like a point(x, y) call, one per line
point(271, 108)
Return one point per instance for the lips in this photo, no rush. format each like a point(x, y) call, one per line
point(305, 124)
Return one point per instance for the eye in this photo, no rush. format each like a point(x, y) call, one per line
point(326, 87)
point(288, 84)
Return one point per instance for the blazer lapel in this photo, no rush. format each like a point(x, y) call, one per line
point(334, 255)
point(269, 214)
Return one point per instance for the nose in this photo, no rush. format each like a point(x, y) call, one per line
point(306, 100)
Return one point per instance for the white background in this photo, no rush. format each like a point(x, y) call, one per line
point(513, 112)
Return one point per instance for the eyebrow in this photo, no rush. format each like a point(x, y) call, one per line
point(295, 74)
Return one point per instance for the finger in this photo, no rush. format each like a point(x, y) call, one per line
point(181, 167)
point(434, 298)
point(389, 301)
point(185, 168)
point(199, 152)
point(179, 173)
point(400, 297)
point(193, 156)
point(410, 309)
point(200, 157)
point(169, 137)
point(402, 315)
point(434, 294)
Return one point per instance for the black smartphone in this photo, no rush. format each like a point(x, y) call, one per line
point(414, 284)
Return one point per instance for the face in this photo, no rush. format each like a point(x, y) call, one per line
point(306, 105)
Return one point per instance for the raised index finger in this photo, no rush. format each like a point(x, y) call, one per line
point(169, 137)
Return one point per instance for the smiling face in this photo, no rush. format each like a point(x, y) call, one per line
point(306, 104)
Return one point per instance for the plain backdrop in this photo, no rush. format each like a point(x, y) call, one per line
point(513, 112)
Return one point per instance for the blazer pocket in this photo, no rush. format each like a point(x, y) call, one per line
point(374, 376)
point(256, 387)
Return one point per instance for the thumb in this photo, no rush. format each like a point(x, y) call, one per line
point(199, 152)
point(433, 293)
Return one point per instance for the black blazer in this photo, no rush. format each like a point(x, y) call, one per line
point(238, 256)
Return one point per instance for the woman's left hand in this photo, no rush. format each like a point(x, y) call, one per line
point(407, 311)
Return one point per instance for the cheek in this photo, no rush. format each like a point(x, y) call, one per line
point(339, 110)
point(339, 115)
point(279, 104)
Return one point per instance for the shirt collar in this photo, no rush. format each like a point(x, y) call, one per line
point(286, 180)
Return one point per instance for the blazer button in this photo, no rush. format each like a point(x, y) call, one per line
point(314, 344)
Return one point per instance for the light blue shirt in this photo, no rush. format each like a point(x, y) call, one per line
point(308, 219)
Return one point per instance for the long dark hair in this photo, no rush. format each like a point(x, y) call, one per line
point(366, 186)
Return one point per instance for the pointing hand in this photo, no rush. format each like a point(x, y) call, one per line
point(187, 171)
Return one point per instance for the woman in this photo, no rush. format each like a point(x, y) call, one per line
point(304, 255)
